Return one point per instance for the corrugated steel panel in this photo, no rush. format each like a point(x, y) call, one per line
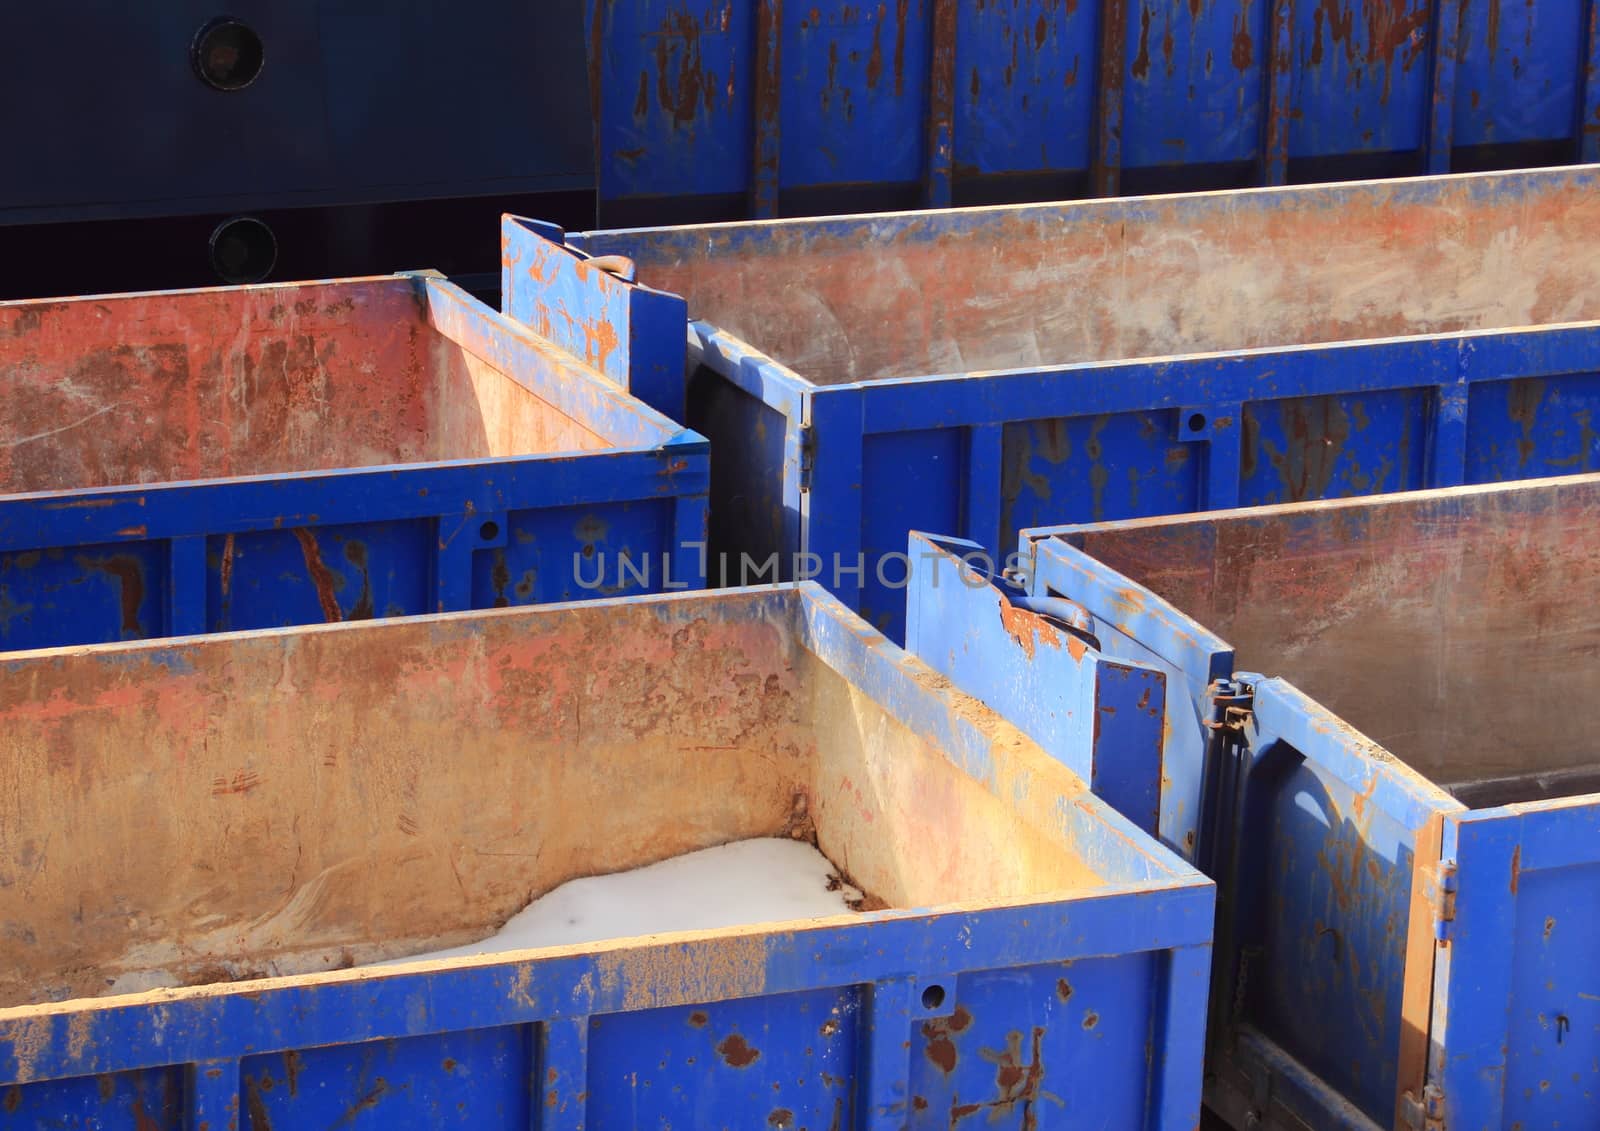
point(723, 109)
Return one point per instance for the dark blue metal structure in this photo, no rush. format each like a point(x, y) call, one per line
point(356, 136)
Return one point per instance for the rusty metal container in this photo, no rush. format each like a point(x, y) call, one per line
point(255, 815)
point(977, 371)
point(1401, 813)
point(199, 461)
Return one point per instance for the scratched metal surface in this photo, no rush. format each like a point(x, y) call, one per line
point(1041, 967)
point(730, 108)
point(1113, 359)
point(201, 461)
point(1387, 627)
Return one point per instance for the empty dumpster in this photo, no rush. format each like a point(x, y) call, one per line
point(977, 371)
point(716, 111)
point(197, 461)
point(1402, 814)
point(355, 793)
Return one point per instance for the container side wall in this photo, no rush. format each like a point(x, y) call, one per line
point(908, 295)
point(1517, 1015)
point(316, 793)
point(1394, 609)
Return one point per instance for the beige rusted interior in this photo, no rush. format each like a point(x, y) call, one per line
point(1115, 279)
point(251, 381)
point(296, 801)
point(1460, 629)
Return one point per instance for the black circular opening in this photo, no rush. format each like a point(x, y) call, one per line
point(489, 530)
point(227, 54)
point(932, 997)
point(1197, 422)
point(243, 250)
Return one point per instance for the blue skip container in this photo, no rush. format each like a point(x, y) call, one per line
point(977, 371)
point(356, 793)
point(200, 461)
point(1402, 815)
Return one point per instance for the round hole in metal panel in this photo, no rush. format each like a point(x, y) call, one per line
point(489, 530)
point(932, 997)
point(243, 250)
point(227, 54)
point(1197, 422)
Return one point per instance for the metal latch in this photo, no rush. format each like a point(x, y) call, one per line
point(1232, 704)
point(1444, 912)
point(1426, 1114)
point(808, 455)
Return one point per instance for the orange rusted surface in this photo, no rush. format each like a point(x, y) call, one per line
point(1029, 629)
point(905, 296)
point(1416, 999)
point(1402, 615)
point(293, 801)
point(252, 381)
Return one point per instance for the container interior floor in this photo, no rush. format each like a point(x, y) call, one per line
point(886, 297)
point(284, 803)
point(257, 381)
point(1460, 629)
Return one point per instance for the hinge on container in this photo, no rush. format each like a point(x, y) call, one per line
point(1426, 1114)
point(808, 455)
point(1232, 704)
point(1444, 911)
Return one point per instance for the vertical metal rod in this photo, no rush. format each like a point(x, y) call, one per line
point(1279, 71)
point(941, 105)
point(1442, 86)
point(765, 152)
point(1105, 176)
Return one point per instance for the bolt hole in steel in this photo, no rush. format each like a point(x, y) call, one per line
point(489, 530)
point(933, 997)
point(227, 54)
point(243, 250)
point(1197, 422)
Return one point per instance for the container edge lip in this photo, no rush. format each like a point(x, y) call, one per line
point(416, 467)
point(1145, 361)
point(403, 278)
point(169, 643)
point(1197, 887)
point(1535, 172)
point(1269, 691)
point(709, 331)
point(1362, 502)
